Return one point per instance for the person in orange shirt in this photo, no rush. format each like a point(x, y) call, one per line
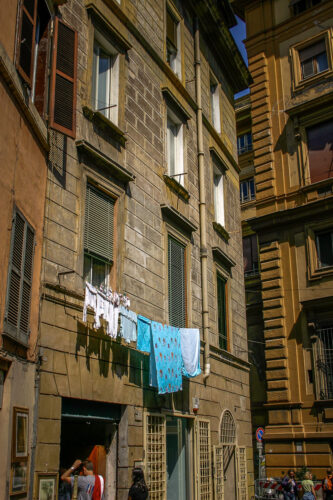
point(328, 484)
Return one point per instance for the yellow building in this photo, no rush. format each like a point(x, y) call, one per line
point(287, 204)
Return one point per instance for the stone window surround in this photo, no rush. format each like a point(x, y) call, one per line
point(314, 271)
point(174, 232)
point(297, 82)
point(114, 192)
point(215, 103)
point(179, 70)
point(308, 118)
point(100, 25)
point(220, 269)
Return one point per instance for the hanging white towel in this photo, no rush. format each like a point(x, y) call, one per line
point(101, 308)
point(90, 298)
point(109, 317)
point(190, 348)
point(115, 316)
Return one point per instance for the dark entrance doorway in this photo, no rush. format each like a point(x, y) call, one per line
point(90, 430)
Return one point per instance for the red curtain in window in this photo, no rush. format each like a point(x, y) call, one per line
point(320, 150)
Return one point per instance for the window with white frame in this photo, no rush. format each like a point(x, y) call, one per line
point(105, 79)
point(175, 147)
point(215, 106)
point(247, 190)
point(218, 174)
point(244, 143)
point(173, 42)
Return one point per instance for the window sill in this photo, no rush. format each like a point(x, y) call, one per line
point(247, 203)
point(302, 84)
point(321, 273)
point(104, 161)
point(176, 187)
point(221, 231)
point(105, 124)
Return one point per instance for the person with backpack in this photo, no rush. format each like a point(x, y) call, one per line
point(88, 486)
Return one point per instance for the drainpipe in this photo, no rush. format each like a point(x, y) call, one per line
point(202, 203)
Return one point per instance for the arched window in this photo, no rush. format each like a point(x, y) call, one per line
point(228, 429)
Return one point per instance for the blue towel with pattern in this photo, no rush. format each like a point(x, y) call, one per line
point(144, 334)
point(166, 351)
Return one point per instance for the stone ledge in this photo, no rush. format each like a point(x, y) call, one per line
point(179, 219)
point(118, 171)
point(105, 124)
point(175, 186)
point(221, 231)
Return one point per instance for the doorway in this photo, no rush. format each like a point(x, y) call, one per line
point(228, 440)
point(178, 460)
point(90, 431)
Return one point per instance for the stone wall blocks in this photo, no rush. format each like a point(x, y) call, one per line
point(49, 431)
point(277, 396)
point(47, 457)
point(277, 374)
point(277, 312)
point(275, 354)
point(276, 364)
point(49, 406)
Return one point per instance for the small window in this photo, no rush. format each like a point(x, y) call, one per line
point(250, 255)
point(222, 312)
point(17, 317)
point(244, 143)
point(300, 6)
point(247, 190)
point(313, 59)
point(32, 48)
point(324, 246)
point(98, 237)
point(176, 283)
point(173, 42)
point(105, 79)
point(175, 147)
point(215, 106)
point(320, 151)
point(219, 196)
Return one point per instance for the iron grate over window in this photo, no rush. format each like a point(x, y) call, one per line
point(155, 430)
point(228, 429)
point(323, 361)
point(204, 460)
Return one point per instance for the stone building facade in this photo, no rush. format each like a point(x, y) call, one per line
point(142, 196)
point(287, 227)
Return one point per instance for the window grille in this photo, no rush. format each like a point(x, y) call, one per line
point(204, 454)
point(218, 472)
point(228, 429)
point(155, 438)
point(323, 360)
point(242, 473)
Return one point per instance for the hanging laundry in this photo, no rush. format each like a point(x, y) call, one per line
point(115, 318)
point(167, 354)
point(190, 349)
point(109, 316)
point(90, 298)
point(144, 334)
point(101, 308)
point(128, 321)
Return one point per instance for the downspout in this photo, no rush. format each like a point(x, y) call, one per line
point(202, 203)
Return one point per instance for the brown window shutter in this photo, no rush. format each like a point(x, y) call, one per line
point(63, 85)
point(26, 39)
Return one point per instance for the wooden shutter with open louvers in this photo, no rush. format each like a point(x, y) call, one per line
point(63, 86)
point(26, 39)
point(99, 224)
point(176, 283)
point(20, 280)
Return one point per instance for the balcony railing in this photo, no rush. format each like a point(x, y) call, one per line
point(323, 359)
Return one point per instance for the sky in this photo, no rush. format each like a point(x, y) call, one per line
point(239, 34)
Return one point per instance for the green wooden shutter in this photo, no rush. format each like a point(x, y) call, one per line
point(176, 283)
point(221, 311)
point(99, 224)
point(20, 280)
